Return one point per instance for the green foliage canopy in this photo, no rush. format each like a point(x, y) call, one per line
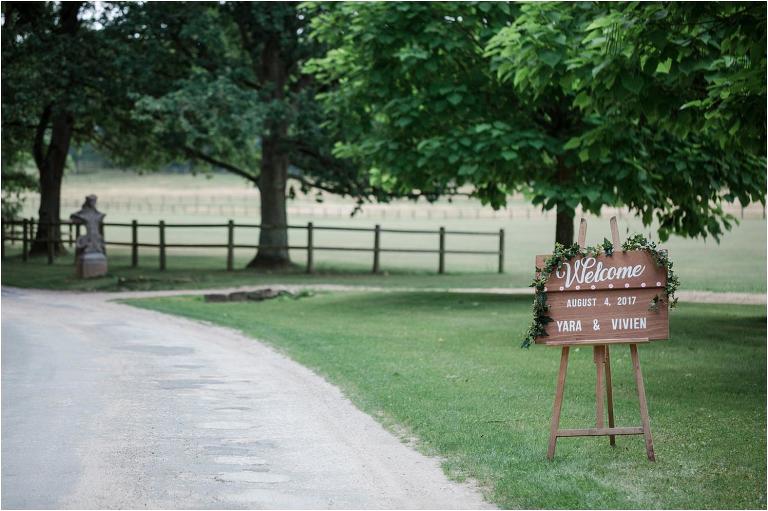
point(576, 104)
point(220, 100)
point(412, 97)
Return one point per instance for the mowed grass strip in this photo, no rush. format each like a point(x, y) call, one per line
point(185, 271)
point(447, 370)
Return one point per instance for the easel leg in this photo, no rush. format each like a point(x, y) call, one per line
point(643, 403)
point(558, 403)
point(599, 354)
point(609, 393)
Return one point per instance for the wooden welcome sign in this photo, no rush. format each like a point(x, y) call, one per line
point(605, 299)
point(600, 301)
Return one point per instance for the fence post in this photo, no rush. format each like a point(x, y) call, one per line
point(230, 245)
point(13, 232)
point(161, 227)
point(501, 250)
point(310, 249)
point(2, 228)
point(49, 241)
point(376, 247)
point(71, 241)
point(441, 262)
point(134, 243)
point(25, 239)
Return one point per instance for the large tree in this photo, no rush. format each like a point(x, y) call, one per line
point(579, 104)
point(66, 76)
point(150, 83)
point(663, 105)
point(45, 83)
point(238, 100)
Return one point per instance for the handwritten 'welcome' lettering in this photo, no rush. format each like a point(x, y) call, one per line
point(589, 271)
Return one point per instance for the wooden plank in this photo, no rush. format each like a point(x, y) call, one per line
point(599, 386)
point(558, 403)
point(501, 250)
point(644, 416)
point(600, 432)
point(609, 393)
point(622, 270)
point(25, 240)
point(161, 234)
point(230, 245)
point(310, 248)
point(615, 234)
point(376, 247)
point(591, 342)
point(441, 250)
point(605, 314)
point(134, 243)
point(582, 233)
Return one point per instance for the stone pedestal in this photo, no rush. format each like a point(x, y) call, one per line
point(92, 264)
point(90, 254)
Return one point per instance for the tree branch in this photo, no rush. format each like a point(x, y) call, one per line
point(199, 155)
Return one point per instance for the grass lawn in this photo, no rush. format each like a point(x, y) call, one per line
point(447, 369)
point(201, 271)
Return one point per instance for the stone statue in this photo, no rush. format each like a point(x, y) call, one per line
point(90, 254)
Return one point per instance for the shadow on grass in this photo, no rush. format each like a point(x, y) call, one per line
point(198, 272)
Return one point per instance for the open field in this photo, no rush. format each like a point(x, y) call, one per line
point(737, 264)
point(449, 373)
point(224, 194)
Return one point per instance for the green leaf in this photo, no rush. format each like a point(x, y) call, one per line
point(633, 83)
point(690, 104)
point(582, 100)
point(599, 23)
point(572, 143)
point(520, 75)
point(509, 155)
point(454, 98)
point(664, 67)
point(596, 70)
point(550, 58)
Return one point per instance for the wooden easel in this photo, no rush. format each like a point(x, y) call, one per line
point(603, 385)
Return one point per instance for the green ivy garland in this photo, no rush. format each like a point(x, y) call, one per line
point(566, 253)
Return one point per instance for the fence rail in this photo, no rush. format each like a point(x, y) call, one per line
point(30, 232)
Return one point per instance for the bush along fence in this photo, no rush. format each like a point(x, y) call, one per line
point(24, 231)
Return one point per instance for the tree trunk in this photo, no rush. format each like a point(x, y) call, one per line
point(273, 181)
point(50, 166)
point(273, 236)
point(565, 214)
point(51, 159)
point(564, 225)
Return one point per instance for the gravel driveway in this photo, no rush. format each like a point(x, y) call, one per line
point(105, 406)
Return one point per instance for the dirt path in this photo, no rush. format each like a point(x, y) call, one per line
point(109, 406)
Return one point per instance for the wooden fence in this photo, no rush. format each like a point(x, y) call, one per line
point(24, 231)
